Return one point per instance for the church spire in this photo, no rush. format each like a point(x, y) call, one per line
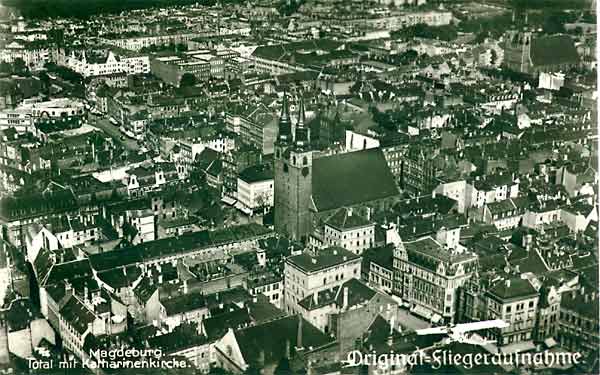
point(285, 124)
point(302, 138)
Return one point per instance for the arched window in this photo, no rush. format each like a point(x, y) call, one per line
point(304, 160)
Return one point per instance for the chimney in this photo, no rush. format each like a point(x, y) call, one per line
point(345, 302)
point(349, 212)
point(507, 282)
point(85, 294)
point(316, 298)
point(185, 287)
point(299, 334)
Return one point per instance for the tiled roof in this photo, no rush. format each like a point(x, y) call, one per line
point(216, 327)
point(586, 305)
point(344, 219)
point(77, 315)
point(351, 178)
point(256, 173)
point(183, 303)
point(513, 288)
point(271, 338)
point(168, 246)
point(553, 50)
point(145, 289)
point(382, 256)
point(322, 259)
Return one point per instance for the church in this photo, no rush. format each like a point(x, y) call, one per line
point(310, 188)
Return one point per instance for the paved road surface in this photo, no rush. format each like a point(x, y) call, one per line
point(411, 321)
point(102, 123)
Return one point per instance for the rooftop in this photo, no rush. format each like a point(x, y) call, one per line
point(322, 259)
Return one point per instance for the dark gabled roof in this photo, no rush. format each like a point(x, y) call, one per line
point(216, 327)
point(382, 256)
point(344, 219)
point(256, 173)
point(33, 205)
point(186, 242)
point(351, 178)
point(77, 314)
point(20, 314)
point(530, 263)
point(69, 270)
point(325, 258)
point(513, 288)
point(553, 50)
point(271, 339)
point(262, 310)
point(358, 293)
point(586, 305)
point(183, 303)
point(145, 289)
point(120, 277)
point(182, 337)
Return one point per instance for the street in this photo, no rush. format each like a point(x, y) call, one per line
point(102, 123)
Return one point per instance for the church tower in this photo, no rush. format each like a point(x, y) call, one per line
point(293, 176)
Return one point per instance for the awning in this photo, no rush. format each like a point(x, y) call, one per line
point(228, 200)
point(243, 208)
point(421, 311)
point(550, 342)
point(398, 300)
point(518, 347)
point(436, 318)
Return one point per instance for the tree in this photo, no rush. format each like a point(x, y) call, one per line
point(5, 67)
point(283, 367)
point(19, 66)
point(493, 57)
point(187, 80)
point(555, 23)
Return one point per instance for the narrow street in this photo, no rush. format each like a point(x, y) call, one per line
point(102, 123)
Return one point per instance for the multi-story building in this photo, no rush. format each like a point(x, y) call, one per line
point(418, 171)
point(314, 271)
point(201, 64)
point(266, 283)
point(35, 54)
point(515, 301)
point(428, 275)
point(349, 231)
point(578, 323)
point(528, 52)
point(234, 162)
point(138, 41)
point(255, 188)
point(88, 65)
point(310, 189)
point(189, 149)
point(256, 125)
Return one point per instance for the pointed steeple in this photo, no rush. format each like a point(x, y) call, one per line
point(285, 124)
point(302, 138)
